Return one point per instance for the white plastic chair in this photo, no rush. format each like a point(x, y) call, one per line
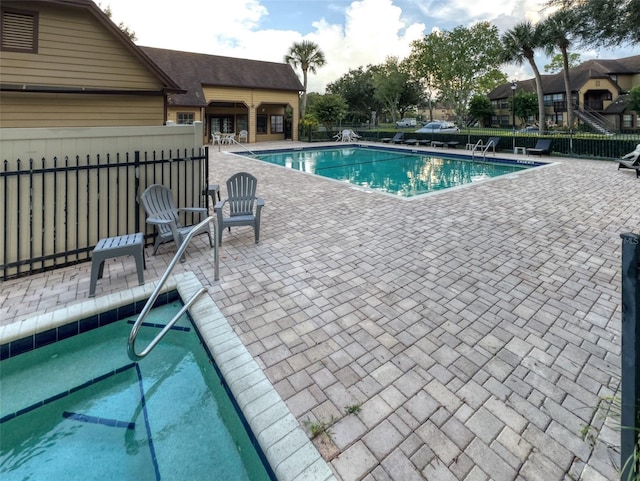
point(243, 136)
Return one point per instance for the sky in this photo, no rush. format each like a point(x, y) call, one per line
point(350, 33)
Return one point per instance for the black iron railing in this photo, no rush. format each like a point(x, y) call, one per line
point(55, 210)
point(630, 398)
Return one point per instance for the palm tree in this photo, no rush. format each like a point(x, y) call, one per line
point(308, 56)
point(519, 45)
point(557, 31)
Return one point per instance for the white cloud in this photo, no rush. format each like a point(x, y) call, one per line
point(372, 30)
point(366, 32)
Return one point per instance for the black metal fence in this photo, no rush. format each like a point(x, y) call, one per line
point(630, 365)
point(573, 144)
point(55, 211)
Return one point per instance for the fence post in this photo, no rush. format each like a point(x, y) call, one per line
point(630, 402)
point(136, 214)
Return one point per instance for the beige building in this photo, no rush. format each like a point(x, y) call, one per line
point(598, 90)
point(63, 63)
point(232, 94)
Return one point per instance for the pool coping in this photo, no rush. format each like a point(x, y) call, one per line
point(528, 165)
point(290, 453)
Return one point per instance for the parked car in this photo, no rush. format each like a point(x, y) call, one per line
point(438, 127)
point(407, 122)
point(529, 129)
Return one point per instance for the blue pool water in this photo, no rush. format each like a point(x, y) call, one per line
point(402, 173)
point(79, 409)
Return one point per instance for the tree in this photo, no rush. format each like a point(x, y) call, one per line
point(357, 88)
point(633, 103)
point(490, 81)
point(124, 28)
point(308, 56)
point(458, 63)
point(557, 63)
point(525, 104)
point(519, 44)
point(480, 108)
point(557, 34)
point(329, 109)
point(394, 89)
point(604, 23)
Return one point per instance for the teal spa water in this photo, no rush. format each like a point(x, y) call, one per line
point(79, 409)
point(399, 172)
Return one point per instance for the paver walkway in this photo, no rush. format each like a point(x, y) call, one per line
point(477, 330)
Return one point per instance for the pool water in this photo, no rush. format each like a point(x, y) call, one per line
point(79, 409)
point(399, 172)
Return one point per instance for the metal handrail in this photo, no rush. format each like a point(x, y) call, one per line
point(234, 141)
point(131, 348)
point(475, 147)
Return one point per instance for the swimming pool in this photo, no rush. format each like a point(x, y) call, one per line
point(399, 172)
point(165, 417)
point(284, 443)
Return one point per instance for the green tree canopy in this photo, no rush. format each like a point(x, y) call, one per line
point(329, 109)
point(556, 63)
point(604, 23)
point(358, 89)
point(308, 56)
point(634, 99)
point(480, 108)
point(124, 28)
point(394, 88)
point(458, 63)
point(526, 105)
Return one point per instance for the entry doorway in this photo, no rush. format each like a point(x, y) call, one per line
point(221, 123)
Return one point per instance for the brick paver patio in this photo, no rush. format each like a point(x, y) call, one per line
point(477, 329)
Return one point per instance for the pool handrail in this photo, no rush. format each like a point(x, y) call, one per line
point(131, 348)
point(234, 141)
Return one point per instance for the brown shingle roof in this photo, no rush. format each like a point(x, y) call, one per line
point(193, 70)
point(552, 84)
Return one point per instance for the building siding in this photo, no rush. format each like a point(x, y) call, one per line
point(75, 50)
point(78, 110)
point(77, 54)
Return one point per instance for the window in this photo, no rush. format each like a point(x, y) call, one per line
point(242, 122)
point(277, 124)
point(547, 99)
point(222, 124)
point(627, 121)
point(19, 31)
point(185, 117)
point(261, 124)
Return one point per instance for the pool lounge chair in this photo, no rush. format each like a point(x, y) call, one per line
point(410, 142)
point(631, 161)
point(396, 139)
point(543, 146)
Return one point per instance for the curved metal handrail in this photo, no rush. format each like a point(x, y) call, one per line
point(131, 349)
point(478, 145)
